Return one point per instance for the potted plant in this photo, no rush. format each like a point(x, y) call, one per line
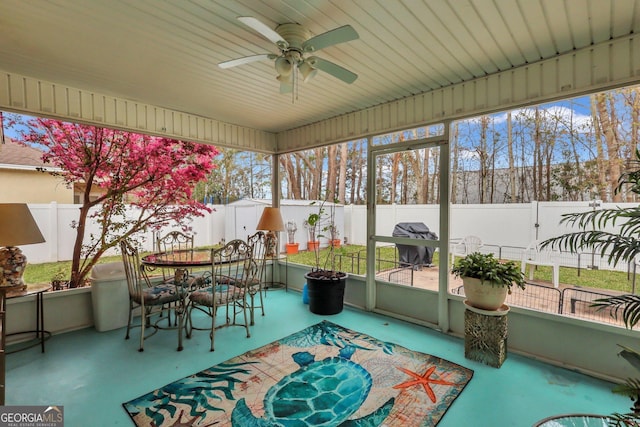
point(334, 234)
point(311, 224)
point(325, 285)
point(486, 280)
point(291, 245)
point(59, 281)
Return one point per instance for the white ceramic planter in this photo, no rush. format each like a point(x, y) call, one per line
point(484, 295)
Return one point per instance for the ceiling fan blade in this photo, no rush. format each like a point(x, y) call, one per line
point(264, 30)
point(342, 34)
point(334, 69)
point(246, 60)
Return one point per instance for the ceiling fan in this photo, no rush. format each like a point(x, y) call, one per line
point(296, 49)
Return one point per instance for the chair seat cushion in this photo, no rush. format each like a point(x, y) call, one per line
point(161, 294)
point(225, 280)
point(252, 282)
point(223, 294)
point(194, 282)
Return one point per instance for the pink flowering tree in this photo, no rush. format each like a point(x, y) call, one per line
point(155, 175)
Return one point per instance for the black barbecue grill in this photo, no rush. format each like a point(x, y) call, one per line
point(414, 256)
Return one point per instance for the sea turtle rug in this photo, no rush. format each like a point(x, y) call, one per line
point(324, 375)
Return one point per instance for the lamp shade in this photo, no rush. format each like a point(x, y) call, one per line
point(271, 220)
point(17, 226)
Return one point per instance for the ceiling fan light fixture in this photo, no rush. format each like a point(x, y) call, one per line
point(285, 79)
point(307, 70)
point(283, 66)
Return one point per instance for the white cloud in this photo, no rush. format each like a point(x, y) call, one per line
point(563, 112)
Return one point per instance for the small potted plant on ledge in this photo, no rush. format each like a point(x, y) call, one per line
point(486, 280)
point(335, 235)
point(311, 224)
point(59, 281)
point(325, 285)
point(291, 245)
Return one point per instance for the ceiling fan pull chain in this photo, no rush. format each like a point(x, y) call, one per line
point(294, 92)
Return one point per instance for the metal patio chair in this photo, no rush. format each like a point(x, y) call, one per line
point(152, 299)
point(231, 275)
point(258, 262)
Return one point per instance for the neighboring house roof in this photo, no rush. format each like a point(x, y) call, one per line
point(14, 155)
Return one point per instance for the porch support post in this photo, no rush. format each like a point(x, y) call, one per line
point(443, 262)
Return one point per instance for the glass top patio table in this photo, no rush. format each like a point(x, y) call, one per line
point(186, 258)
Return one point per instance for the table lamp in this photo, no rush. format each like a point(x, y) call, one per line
point(271, 222)
point(17, 227)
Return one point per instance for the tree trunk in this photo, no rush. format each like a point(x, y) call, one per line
point(317, 174)
point(292, 176)
point(404, 188)
point(428, 184)
point(359, 171)
point(379, 187)
point(481, 149)
point(600, 160)
point(434, 192)
point(76, 272)
point(634, 140)
point(608, 121)
point(395, 161)
point(454, 164)
point(342, 175)
point(537, 156)
point(512, 170)
point(332, 172)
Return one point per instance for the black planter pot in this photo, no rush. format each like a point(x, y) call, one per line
point(326, 295)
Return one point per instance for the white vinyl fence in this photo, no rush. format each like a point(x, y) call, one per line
point(498, 225)
point(505, 229)
point(55, 222)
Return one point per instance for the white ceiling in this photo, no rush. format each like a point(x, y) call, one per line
point(165, 53)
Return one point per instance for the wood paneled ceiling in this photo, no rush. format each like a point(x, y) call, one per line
point(165, 53)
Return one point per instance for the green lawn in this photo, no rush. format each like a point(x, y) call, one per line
point(600, 279)
point(352, 259)
point(45, 272)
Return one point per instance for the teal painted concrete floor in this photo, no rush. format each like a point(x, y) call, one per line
point(92, 373)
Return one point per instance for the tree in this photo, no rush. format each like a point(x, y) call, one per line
point(454, 163)
point(155, 175)
point(238, 174)
point(292, 176)
point(332, 172)
point(606, 120)
point(342, 175)
point(621, 245)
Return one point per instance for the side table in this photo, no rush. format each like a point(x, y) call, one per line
point(277, 284)
point(40, 334)
point(485, 335)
